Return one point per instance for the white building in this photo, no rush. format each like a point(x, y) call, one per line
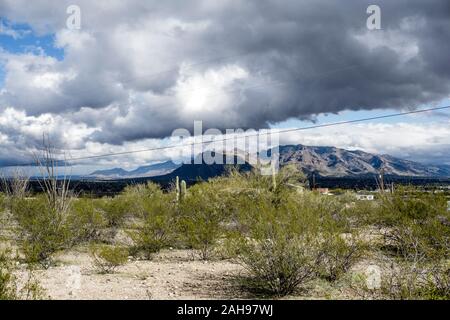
point(365, 197)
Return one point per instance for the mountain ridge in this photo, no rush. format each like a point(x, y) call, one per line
point(338, 162)
point(326, 161)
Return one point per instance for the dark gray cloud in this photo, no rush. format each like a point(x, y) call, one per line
point(140, 69)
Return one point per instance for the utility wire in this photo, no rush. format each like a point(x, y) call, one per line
point(271, 131)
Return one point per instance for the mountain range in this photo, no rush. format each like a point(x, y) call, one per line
point(336, 162)
point(153, 170)
point(323, 161)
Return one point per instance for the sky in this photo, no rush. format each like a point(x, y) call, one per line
point(137, 70)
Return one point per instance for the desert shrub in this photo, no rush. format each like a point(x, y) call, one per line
point(360, 214)
point(288, 238)
point(437, 283)
point(107, 259)
point(8, 286)
point(44, 220)
point(9, 289)
point(286, 177)
point(15, 186)
point(155, 234)
point(43, 230)
point(157, 230)
point(280, 264)
point(85, 220)
point(408, 203)
point(134, 196)
point(412, 241)
point(339, 252)
point(253, 182)
point(413, 226)
point(200, 216)
point(403, 280)
point(281, 250)
point(3, 206)
point(32, 289)
point(114, 210)
point(2, 202)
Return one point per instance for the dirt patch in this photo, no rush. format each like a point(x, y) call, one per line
point(172, 274)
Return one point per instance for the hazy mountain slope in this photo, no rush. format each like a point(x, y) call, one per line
point(113, 173)
point(144, 171)
point(154, 169)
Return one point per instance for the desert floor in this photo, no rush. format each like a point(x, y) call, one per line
point(171, 274)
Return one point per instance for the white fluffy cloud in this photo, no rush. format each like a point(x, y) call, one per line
point(21, 135)
point(428, 143)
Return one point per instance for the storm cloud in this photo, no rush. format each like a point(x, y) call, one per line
point(140, 69)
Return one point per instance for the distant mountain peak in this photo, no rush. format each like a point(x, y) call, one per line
point(152, 170)
point(114, 171)
point(336, 162)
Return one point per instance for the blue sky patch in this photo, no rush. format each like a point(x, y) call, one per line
point(20, 38)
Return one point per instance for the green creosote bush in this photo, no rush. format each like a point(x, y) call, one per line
point(403, 281)
point(135, 194)
point(3, 210)
point(85, 220)
point(359, 214)
point(280, 264)
point(200, 216)
point(9, 288)
point(437, 284)
point(413, 226)
point(408, 203)
point(43, 230)
point(2, 203)
point(157, 228)
point(339, 254)
point(107, 259)
point(289, 175)
point(288, 241)
point(281, 251)
point(114, 210)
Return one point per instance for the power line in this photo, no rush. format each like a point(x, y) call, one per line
point(392, 115)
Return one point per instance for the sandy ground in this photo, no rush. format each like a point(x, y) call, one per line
point(173, 274)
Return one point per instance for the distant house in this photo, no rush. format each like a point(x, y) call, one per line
point(324, 191)
point(365, 197)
